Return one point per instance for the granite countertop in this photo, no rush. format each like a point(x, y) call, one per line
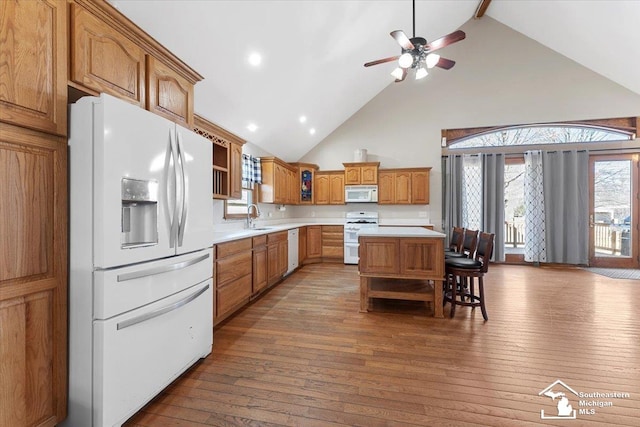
point(399, 232)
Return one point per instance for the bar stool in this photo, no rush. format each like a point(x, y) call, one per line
point(469, 244)
point(458, 270)
point(455, 241)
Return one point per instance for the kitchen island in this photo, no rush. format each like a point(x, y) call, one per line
point(401, 263)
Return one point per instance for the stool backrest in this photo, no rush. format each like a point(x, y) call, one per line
point(457, 236)
point(470, 243)
point(485, 249)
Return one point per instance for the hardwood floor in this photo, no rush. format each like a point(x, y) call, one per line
point(303, 355)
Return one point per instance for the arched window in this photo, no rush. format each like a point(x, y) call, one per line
point(541, 134)
point(580, 132)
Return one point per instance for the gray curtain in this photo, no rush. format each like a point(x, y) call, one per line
point(493, 201)
point(566, 199)
point(452, 194)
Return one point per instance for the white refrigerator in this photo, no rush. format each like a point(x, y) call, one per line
point(141, 263)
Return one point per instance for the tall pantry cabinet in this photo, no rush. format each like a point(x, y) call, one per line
point(33, 212)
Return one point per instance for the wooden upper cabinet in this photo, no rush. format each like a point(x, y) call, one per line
point(33, 65)
point(278, 182)
point(322, 188)
point(104, 60)
point(386, 187)
point(336, 189)
point(227, 158)
point(169, 94)
point(305, 185)
point(362, 173)
point(329, 188)
point(110, 54)
point(420, 187)
point(404, 186)
point(235, 171)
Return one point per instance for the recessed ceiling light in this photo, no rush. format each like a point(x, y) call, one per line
point(303, 119)
point(252, 127)
point(312, 131)
point(255, 59)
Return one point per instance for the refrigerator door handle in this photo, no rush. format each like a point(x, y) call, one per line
point(160, 311)
point(184, 202)
point(173, 232)
point(160, 270)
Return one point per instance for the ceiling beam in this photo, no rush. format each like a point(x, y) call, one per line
point(482, 8)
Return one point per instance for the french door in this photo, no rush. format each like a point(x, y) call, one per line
point(613, 211)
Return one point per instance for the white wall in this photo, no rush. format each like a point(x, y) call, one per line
point(501, 78)
point(269, 212)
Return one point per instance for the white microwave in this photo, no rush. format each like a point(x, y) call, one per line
point(361, 194)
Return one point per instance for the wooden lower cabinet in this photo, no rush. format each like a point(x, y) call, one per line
point(260, 279)
point(233, 277)
point(277, 256)
point(333, 242)
point(33, 277)
point(302, 245)
point(314, 243)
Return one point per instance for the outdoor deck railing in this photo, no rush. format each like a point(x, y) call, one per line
point(608, 239)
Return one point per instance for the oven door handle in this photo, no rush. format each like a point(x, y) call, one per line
point(160, 311)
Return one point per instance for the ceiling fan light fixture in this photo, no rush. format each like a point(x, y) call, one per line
point(405, 60)
point(397, 73)
point(432, 59)
point(421, 73)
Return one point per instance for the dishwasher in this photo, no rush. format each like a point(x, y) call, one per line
point(293, 250)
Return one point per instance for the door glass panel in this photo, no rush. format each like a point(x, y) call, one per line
point(611, 215)
point(514, 208)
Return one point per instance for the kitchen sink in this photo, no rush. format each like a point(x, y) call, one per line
point(261, 228)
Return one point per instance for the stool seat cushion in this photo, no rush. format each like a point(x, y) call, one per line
point(463, 263)
point(454, 255)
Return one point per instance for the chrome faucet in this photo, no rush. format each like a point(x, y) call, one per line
point(250, 223)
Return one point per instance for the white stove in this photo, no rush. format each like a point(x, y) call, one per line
point(355, 221)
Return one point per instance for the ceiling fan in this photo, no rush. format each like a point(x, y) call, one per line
point(418, 54)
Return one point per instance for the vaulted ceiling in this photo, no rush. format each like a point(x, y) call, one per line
point(313, 53)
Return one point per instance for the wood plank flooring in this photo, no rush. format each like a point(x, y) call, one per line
point(302, 355)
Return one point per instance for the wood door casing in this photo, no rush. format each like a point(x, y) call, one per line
point(33, 277)
point(33, 80)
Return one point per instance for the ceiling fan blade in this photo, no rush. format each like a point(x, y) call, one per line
point(456, 36)
point(482, 8)
point(402, 39)
point(381, 61)
point(445, 63)
point(404, 75)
